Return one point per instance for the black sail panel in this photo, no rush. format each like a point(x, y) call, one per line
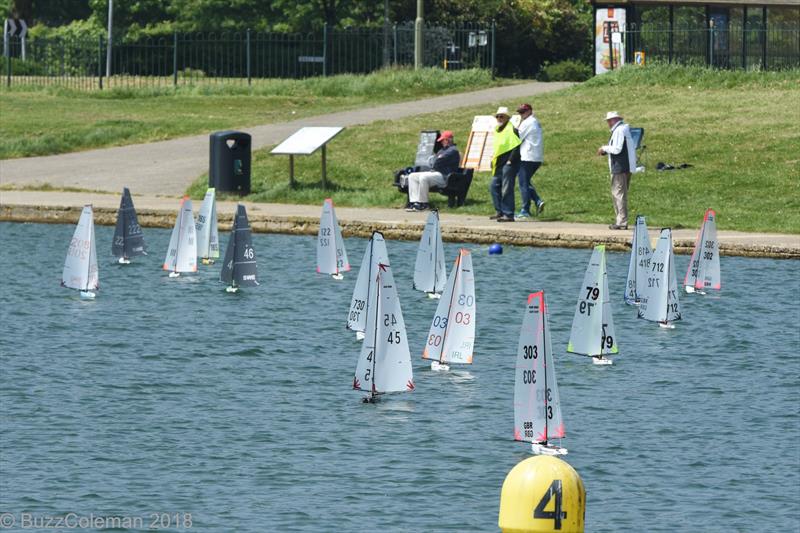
point(128, 237)
point(245, 271)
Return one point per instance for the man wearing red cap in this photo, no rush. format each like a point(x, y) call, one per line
point(443, 162)
point(531, 153)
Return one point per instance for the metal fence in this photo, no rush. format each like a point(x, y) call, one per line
point(183, 59)
point(746, 47)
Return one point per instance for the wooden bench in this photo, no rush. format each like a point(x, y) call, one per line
point(455, 188)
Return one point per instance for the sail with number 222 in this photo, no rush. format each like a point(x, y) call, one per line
point(128, 239)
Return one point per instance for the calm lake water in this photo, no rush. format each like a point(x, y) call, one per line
point(172, 396)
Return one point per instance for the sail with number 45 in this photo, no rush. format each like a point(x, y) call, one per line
point(593, 325)
point(374, 255)
point(206, 227)
point(639, 263)
point(384, 362)
point(239, 267)
point(537, 408)
point(80, 266)
point(659, 300)
point(331, 254)
point(182, 251)
point(128, 239)
point(452, 333)
point(703, 272)
point(429, 270)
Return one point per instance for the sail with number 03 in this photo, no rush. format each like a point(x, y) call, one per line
point(640, 262)
point(593, 326)
point(452, 334)
point(365, 284)
point(207, 230)
point(182, 251)
point(331, 255)
point(429, 271)
point(537, 408)
point(80, 266)
point(128, 239)
point(703, 272)
point(239, 267)
point(384, 362)
point(659, 300)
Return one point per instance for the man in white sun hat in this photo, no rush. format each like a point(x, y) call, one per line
point(621, 151)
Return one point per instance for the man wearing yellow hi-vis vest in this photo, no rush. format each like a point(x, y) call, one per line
point(505, 165)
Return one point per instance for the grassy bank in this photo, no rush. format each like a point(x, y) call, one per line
point(52, 120)
point(738, 130)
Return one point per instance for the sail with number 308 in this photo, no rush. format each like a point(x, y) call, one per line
point(537, 408)
point(703, 272)
point(384, 362)
point(452, 334)
point(659, 300)
point(331, 255)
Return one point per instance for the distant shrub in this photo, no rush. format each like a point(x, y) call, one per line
point(568, 70)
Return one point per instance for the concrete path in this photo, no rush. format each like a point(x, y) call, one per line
point(169, 167)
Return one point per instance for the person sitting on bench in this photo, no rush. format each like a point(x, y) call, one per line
point(443, 162)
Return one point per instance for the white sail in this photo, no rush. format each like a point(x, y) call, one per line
point(452, 333)
point(80, 267)
point(374, 255)
point(206, 227)
point(182, 251)
point(639, 263)
point(537, 408)
point(703, 272)
point(593, 326)
point(384, 363)
point(331, 254)
point(429, 271)
point(659, 301)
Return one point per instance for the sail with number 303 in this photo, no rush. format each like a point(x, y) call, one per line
point(593, 325)
point(384, 362)
point(703, 272)
point(363, 292)
point(331, 254)
point(537, 408)
point(451, 337)
point(659, 300)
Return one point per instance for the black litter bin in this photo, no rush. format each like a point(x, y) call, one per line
point(229, 161)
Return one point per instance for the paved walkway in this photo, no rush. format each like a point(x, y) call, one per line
point(169, 167)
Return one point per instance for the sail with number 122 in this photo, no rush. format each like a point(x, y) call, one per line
point(331, 255)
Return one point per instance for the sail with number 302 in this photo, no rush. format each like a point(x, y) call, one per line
point(331, 255)
point(384, 362)
point(703, 272)
point(537, 408)
point(452, 333)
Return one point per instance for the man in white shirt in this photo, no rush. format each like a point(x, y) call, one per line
point(621, 152)
point(531, 157)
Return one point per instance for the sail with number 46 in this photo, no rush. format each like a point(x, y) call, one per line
point(207, 230)
point(384, 362)
point(239, 267)
point(331, 254)
point(374, 255)
point(429, 270)
point(452, 333)
point(182, 251)
point(703, 272)
point(537, 408)
point(639, 263)
point(659, 300)
point(593, 325)
point(128, 239)
point(80, 266)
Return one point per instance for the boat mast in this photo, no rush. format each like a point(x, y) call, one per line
point(180, 227)
point(435, 252)
point(544, 355)
point(373, 393)
point(666, 269)
point(89, 262)
point(450, 307)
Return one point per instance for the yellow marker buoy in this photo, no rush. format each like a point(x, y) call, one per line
point(542, 494)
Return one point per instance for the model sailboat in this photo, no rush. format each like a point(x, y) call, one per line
point(429, 270)
point(640, 262)
point(128, 239)
point(206, 228)
point(80, 266)
point(703, 271)
point(593, 326)
point(182, 251)
point(659, 299)
point(452, 333)
point(239, 266)
point(365, 284)
point(331, 255)
point(537, 409)
point(384, 363)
